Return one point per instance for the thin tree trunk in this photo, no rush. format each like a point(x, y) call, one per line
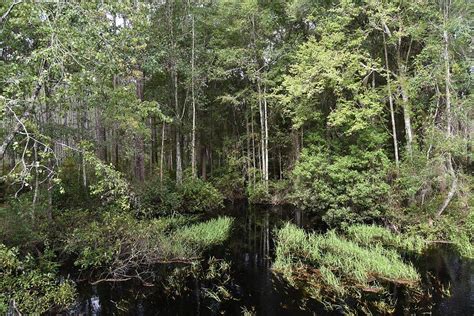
point(254, 162)
point(449, 162)
point(36, 189)
point(204, 163)
point(406, 110)
point(390, 100)
point(179, 170)
point(140, 144)
point(247, 130)
point(193, 141)
point(262, 131)
point(162, 152)
point(265, 112)
point(402, 78)
point(262, 111)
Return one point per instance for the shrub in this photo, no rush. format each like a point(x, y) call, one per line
point(258, 193)
point(20, 226)
point(31, 286)
point(199, 196)
point(121, 246)
point(275, 194)
point(345, 189)
point(193, 195)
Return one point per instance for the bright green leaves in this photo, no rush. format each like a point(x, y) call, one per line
point(344, 188)
point(333, 70)
point(333, 67)
point(111, 187)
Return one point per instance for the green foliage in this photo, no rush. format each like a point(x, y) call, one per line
point(31, 285)
point(23, 226)
point(110, 186)
point(119, 243)
point(228, 179)
point(193, 196)
point(455, 229)
point(377, 235)
point(258, 193)
point(274, 192)
point(69, 192)
point(199, 195)
point(347, 189)
point(159, 197)
point(330, 267)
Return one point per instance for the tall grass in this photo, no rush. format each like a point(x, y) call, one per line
point(332, 265)
point(377, 235)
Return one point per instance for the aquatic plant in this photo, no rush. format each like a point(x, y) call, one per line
point(120, 247)
point(377, 235)
point(330, 267)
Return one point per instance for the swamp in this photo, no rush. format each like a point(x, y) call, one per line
point(224, 157)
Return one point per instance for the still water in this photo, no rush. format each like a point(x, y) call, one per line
point(255, 289)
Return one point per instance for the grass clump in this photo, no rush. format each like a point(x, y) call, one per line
point(331, 267)
point(377, 235)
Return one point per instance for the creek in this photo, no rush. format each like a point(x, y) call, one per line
point(255, 288)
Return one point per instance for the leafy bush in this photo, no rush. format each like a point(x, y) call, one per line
point(456, 228)
point(276, 193)
point(229, 179)
point(258, 193)
point(345, 189)
point(199, 196)
point(193, 195)
point(31, 286)
point(20, 226)
point(156, 197)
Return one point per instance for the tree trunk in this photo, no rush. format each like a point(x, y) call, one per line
point(262, 131)
point(449, 162)
point(179, 170)
point(162, 152)
point(193, 140)
point(36, 188)
point(254, 159)
point(390, 100)
point(406, 109)
point(140, 144)
point(265, 113)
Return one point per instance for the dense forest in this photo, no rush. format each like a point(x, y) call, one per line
point(128, 128)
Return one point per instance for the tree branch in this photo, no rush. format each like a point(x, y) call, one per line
point(9, 138)
point(4, 16)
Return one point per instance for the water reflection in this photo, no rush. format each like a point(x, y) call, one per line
point(250, 249)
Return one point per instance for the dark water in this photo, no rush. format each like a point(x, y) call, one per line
point(254, 287)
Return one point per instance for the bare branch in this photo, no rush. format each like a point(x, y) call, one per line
point(9, 138)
